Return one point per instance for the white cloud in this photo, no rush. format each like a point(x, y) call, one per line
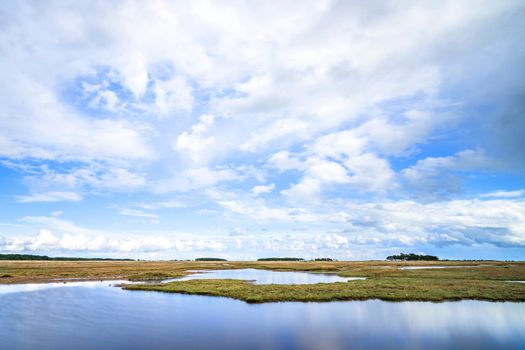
point(80, 242)
point(336, 159)
point(308, 189)
point(36, 124)
point(95, 176)
point(173, 95)
point(439, 175)
point(283, 161)
point(257, 190)
point(297, 78)
point(325, 100)
point(195, 144)
point(331, 241)
point(504, 194)
point(172, 203)
point(92, 241)
point(44, 240)
point(466, 222)
point(194, 178)
point(388, 224)
point(259, 211)
point(371, 173)
point(280, 128)
point(50, 197)
point(397, 135)
point(137, 213)
point(103, 98)
point(135, 74)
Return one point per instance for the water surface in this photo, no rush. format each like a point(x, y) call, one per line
point(257, 276)
point(31, 287)
point(96, 316)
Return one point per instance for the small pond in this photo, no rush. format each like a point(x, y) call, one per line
point(268, 277)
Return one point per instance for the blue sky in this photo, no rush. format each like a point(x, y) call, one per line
point(347, 129)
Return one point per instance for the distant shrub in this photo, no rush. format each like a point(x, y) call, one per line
point(280, 259)
point(412, 257)
point(210, 259)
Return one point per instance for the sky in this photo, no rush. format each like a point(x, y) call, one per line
point(246, 129)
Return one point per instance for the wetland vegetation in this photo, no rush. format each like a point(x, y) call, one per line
point(384, 280)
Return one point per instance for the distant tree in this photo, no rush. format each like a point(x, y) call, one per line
point(412, 257)
point(45, 257)
point(210, 259)
point(324, 259)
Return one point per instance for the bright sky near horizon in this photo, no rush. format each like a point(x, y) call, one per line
point(246, 129)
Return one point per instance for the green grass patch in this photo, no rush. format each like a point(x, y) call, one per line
point(390, 289)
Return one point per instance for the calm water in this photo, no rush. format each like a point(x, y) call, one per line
point(97, 316)
point(32, 287)
point(268, 277)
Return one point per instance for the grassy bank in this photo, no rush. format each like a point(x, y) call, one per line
point(391, 289)
point(385, 280)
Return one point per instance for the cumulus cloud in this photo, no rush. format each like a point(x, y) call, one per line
point(36, 124)
point(283, 160)
point(394, 224)
point(441, 175)
point(47, 241)
point(300, 112)
point(464, 222)
point(257, 190)
point(196, 144)
point(337, 159)
point(331, 241)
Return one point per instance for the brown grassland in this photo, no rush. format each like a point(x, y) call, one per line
point(385, 281)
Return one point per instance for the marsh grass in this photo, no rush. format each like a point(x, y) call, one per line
point(390, 289)
point(477, 280)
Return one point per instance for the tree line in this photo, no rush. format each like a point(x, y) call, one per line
point(412, 257)
point(45, 257)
